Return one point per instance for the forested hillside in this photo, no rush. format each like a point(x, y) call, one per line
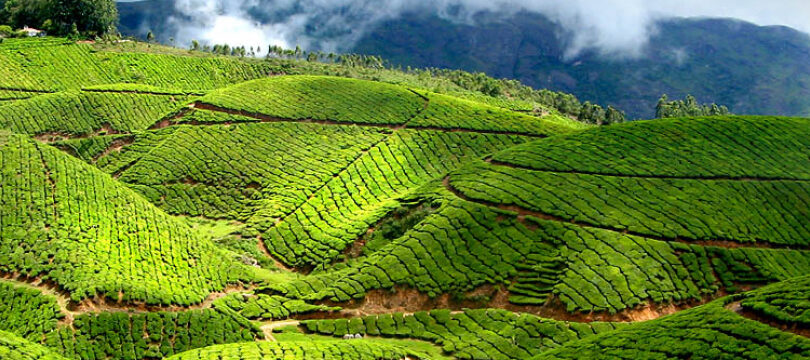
point(160, 203)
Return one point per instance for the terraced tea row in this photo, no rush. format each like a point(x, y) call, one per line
point(784, 304)
point(73, 225)
point(471, 334)
point(321, 98)
point(356, 349)
point(26, 312)
point(706, 332)
point(731, 147)
point(59, 64)
point(264, 307)
point(232, 171)
point(87, 112)
point(345, 207)
point(155, 335)
point(463, 246)
point(17, 348)
point(762, 213)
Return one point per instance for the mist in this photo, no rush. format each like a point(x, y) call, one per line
point(610, 27)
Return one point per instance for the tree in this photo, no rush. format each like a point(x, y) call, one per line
point(661, 108)
point(92, 17)
point(150, 37)
point(195, 45)
point(6, 31)
point(687, 107)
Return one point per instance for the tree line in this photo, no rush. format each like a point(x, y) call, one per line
point(61, 17)
point(686, 108)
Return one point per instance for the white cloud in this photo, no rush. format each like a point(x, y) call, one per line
point(615, 27)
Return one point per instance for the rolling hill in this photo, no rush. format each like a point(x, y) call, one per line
point(283, 209)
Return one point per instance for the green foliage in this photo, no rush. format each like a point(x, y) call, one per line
point(686, 209)
point(355, 349)
point(368, 189)
point(154, 335)
point(242, 170)
point(447, 112)
point(321, 98)
point(394, 225)
point(82, 113)
point(26, 311)
point(774, 148)
point(686, 108)
point(93, 237)
point(267, 307)
point(57, 64)
point(470, 334)
point(787, 302)
point(706, 332)
point(17, 348)
point(64, 17)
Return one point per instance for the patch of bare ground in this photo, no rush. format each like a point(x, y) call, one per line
point(171, 119)
point(115, 146)
point(268, 327)
point(49, 137)
point(796, 328)
point(409, 301)
point(276, 262)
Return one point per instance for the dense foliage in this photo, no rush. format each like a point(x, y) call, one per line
point(154, 335)
point(17, 348)
point(27, 312)
point(62, 17)
point(321, 197)
point(705, 332)
point(470, 334)
point(53, 205)
point(687, 107)
point(355, 349)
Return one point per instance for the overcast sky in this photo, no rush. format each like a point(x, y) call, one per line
point(612, 26)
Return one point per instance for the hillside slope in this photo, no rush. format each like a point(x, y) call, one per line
point(286, 216)
point(72, 225)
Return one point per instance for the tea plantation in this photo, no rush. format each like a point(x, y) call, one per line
point(158, 203)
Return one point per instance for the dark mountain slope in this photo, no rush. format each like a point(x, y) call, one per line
point(752, 69)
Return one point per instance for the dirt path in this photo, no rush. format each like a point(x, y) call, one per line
point(267, 328)
point(72, 309)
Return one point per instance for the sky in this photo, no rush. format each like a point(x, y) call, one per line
point(611, 27)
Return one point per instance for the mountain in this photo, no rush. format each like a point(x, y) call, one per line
point(749, 68)
point(161, 203)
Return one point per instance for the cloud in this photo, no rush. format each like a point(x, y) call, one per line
point(613, 27)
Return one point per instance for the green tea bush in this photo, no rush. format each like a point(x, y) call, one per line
point(706, 332)
point(26, 311)
point(705, 147)
point(82, 113)
point(155, 335)
point(471, 334)
point(321, 98)
point(345, 207)
point(13, 347)
point(74, 225)
point(354, 349)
